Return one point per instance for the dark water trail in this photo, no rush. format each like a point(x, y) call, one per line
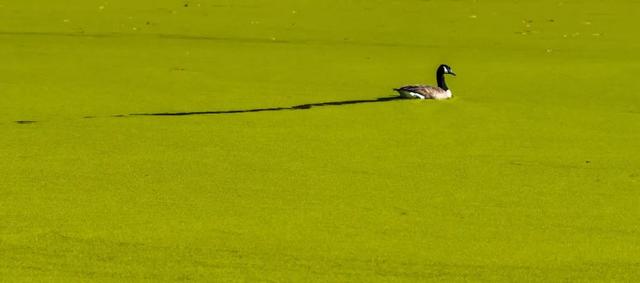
point(214, 38)
point(295, 107)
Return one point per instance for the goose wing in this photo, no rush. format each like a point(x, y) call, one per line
point(426, 91)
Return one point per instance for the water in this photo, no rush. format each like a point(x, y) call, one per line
point(529, 173)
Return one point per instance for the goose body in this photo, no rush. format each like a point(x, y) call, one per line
point(429, 92)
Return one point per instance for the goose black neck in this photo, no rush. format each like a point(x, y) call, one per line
point(440, 78)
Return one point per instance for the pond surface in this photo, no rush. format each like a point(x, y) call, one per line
point(273, 149)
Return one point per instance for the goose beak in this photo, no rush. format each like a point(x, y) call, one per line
point(452, 73)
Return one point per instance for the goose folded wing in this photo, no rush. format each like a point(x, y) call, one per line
point(421, 89)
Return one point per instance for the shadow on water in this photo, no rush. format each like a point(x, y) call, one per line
point(25, 122)
point(295, 107)
point(237, 111)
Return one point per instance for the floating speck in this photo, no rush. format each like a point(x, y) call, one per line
point(549, 50)
point(101, 8)
point(473, 16)
point(66, 20)
point(596, 34)
point(294, 12)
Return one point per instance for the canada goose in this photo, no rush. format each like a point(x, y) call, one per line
point(427, 91)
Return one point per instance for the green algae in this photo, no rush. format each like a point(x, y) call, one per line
point(530, 173)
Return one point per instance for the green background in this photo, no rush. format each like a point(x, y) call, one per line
point(531, 172)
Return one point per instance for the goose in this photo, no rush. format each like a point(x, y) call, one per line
point(427, 91)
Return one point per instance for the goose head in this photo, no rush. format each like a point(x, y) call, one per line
point(445, 69)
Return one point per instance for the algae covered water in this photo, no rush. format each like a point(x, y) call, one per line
point(275, 150)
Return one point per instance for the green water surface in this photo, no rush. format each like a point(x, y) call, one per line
point(531, 172)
